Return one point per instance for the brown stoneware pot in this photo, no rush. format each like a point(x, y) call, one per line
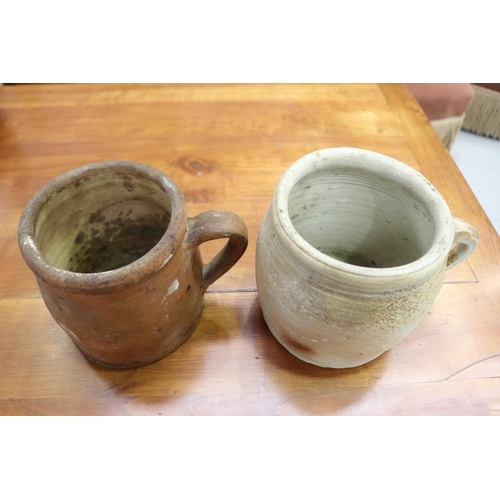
point(351, 255)
point(117, 260)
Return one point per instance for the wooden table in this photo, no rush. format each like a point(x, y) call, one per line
point(226, 147)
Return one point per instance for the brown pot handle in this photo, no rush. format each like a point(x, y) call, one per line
point(212, 225)
point(466, 240)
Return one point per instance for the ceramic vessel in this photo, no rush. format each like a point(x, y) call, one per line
point(351, 255)
point(117, 260)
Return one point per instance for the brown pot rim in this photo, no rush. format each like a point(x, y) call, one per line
point(136, 272)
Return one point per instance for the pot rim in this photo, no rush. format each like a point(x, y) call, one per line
point(380, 164)
point(137, 271)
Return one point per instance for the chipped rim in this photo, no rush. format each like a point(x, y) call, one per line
point(117, 279)
point(387, 167)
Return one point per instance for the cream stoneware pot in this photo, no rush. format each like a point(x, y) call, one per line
point(351, 255)
point(117, 262)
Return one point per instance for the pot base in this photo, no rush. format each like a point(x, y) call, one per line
point(138, 363)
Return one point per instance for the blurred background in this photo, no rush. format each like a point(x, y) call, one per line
point(467, 118)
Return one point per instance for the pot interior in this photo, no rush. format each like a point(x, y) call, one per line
point(102, 221)
point(363, 219)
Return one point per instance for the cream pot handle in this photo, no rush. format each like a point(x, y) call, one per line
point(466, 241)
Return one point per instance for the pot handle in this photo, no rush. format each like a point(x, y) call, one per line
point(212, 225)
point(466, 241)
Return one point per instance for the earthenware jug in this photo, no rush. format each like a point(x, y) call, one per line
point(117, 261)
point(351, 255)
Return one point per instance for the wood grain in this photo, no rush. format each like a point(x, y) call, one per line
point(226, 146)
point(232, 365)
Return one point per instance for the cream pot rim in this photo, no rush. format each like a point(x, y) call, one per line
point(390, 168)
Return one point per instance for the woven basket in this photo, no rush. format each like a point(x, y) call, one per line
point(483, 115)
point(448, 128)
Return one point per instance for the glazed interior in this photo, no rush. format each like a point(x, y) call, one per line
point(102, 221)
point(357, 217)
